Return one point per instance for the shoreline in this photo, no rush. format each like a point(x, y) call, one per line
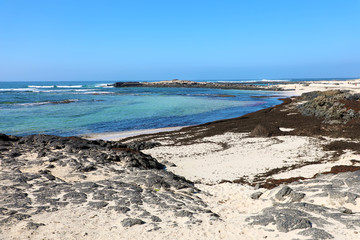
point(274, 173)
point(116, 136)
point(288, 90)
point(256, 85)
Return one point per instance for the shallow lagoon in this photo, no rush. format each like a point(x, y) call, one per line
point(75, 108)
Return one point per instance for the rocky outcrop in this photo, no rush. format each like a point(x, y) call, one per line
point(334, 107)
point(192, 84)
point(127, 84)
point(318, 206)
point(264, 131)
point(43, 174)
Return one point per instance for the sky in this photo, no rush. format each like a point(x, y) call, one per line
point(67, 40)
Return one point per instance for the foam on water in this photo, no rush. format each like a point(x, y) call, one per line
point(34, 86)
point(257, 81)
point(104, 85)
point(73, 86)
point(97, 92)
point(16, 90)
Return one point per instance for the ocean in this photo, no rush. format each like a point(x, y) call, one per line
point(78, 108)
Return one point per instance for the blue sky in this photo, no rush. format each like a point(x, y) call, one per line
point(195, 39)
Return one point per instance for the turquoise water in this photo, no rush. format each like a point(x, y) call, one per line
point(75, 108)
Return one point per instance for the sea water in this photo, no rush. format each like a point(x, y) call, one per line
point(76, 108)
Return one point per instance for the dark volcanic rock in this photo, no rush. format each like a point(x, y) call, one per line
point(264, 131)
point(34, 226)
point(175, 83)
point(285, 191)
point(129, 222)
point(285, 219)
point(128, 84)
point(119, 209)
point(155, 219)
point(316, 233)
point(184, 213)
point(129, 181)
point(76, 197)
point(97, 205)
point(256, 195)
point(334, 106)
point(308, 215)
point(288, 192)
point(142, 145)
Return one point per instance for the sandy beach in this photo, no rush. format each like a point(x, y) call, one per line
point(184, 120)
point(115, 136)
point(272, 174)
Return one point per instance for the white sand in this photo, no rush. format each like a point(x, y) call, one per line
point(115, 136)
point(210, 163)
point(232, 201)
point(298, 89)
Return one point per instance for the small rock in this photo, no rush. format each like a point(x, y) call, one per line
point(286, 223)
point(155, 219)
point(184, 213)
point(120, 209)
point(129, 222)
point(256, 195)
point(42, 153)
point(296, 196)
point(316, 233)
point(34, 226)
point(282, 193)
point(97, 205)
point(214, 217)
point(345, 210)
point(50, 177)
point(263, 131)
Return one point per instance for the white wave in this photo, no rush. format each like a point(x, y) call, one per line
point(230, 81)
point(81, 90)
point(267, 80)
point(48, 91)
point(33, 104)
point(240, 81)
point(97, 93)
point(104, 85)
point(16, 89)
point(70, 86)
point(48, 102)
point(34, 86)
point(254, 81)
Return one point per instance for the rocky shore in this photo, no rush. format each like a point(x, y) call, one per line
point(192, 84)
point(287, 172)
point(43, 174)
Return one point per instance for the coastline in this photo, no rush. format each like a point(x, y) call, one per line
point(116, 136)
point(296, 87)
point(295, 176)
point(289, 127)
point(287, 90)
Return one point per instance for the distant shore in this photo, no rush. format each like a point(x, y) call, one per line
point(256, 85)
point(175, 83)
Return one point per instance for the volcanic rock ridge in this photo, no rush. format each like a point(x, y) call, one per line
point(43, 173)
